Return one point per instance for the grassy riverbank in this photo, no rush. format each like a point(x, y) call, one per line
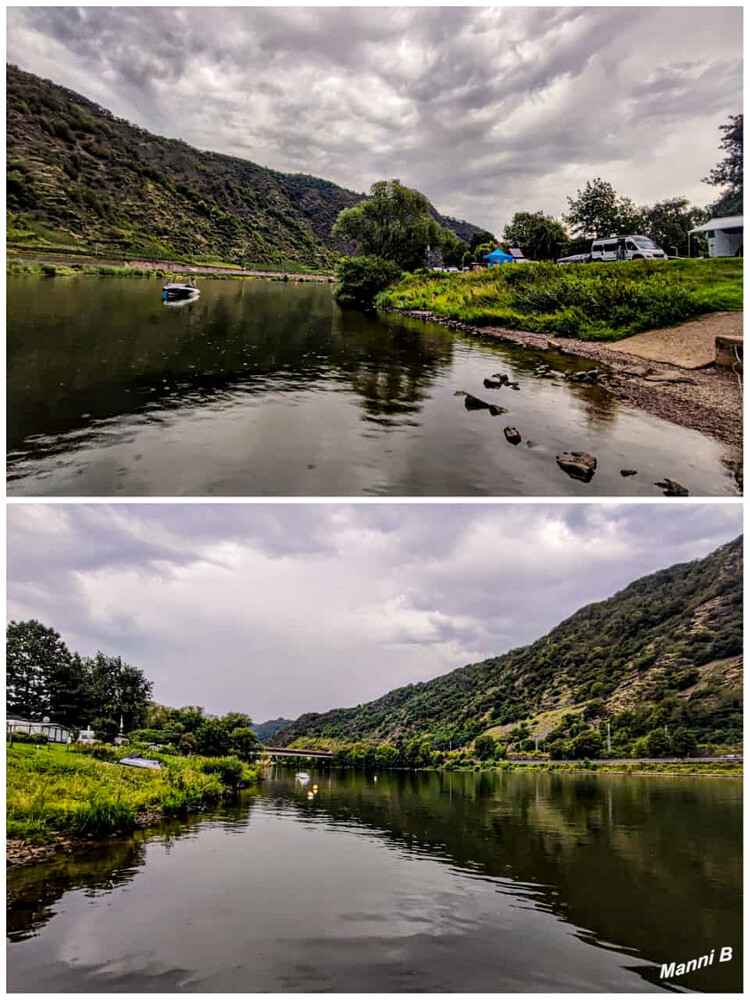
point(58, 791)
point(589, 301)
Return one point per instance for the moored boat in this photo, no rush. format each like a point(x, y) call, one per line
point(176, 290)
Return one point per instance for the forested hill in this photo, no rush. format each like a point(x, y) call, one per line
point(664, 651)
point(78, 176)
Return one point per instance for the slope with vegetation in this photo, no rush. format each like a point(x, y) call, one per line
point(657, 667)
point(80, 178)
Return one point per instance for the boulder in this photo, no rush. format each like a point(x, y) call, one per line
point(512, 435)
point(628, 472)
point(578, 465)
point(497, 410)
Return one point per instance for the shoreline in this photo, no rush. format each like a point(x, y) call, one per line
point(169, 266)
point(705, 400)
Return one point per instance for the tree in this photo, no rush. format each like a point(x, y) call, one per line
point(658, 743)
point(118, 690)
point(213, 739)
point(34, 655)
point(245, 743)
point(684, 743)
point(236, 720)
point(668, 223)
point(587, 744)
point(728, 172)
point(539, 236)
point(69, 691)
point(480, 238)
point(361, 278)
point(453, 249)
point(484, 747)
point(599, 211)
point(394, 223)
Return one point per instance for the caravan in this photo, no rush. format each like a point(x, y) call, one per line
point(626, 248)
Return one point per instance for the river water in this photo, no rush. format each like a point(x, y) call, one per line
point(269, 388)
point(408, 882)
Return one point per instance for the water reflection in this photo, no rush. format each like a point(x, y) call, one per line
point(265, 388)
point(366, 885)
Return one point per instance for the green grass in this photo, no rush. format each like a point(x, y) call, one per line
point(589, 301)
point(55, 790)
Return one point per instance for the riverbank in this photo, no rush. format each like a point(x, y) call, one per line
point(59, 797)
point(707, 400)
point(53, 264)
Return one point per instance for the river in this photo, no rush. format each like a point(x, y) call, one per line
point(426, 881)
point(264, 388)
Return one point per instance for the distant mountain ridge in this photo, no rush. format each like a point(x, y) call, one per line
point(666, 650)
point(265, 730)
point(79, 176)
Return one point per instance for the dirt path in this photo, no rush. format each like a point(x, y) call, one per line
point(708, 400)
point(692, 345)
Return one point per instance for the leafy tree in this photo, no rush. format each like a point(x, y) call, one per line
point(539, 236)
point(587, 744)
point(481, 238)
point(394, 223)
point(105, 729)
point(245, 743)
point(236, 720)
point(484, 747)
point(728, 172)
point(118, 690)
point(213, 739)
point(361, 278)
point(684, 743)
point(668, 223)
point(658, 743)
point(188, 743)
point(454, 250)
point(599, 211)
point(32, 650)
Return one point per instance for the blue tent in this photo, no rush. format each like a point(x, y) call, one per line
point(497, 257)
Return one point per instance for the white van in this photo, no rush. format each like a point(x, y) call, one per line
point(631, 248)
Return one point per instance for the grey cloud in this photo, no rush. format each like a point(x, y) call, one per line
point(485, 109)
point(281, 609)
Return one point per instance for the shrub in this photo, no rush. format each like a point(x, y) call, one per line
point(360, 279)
point(40, 739)
point(228, 769)
point(49, 270)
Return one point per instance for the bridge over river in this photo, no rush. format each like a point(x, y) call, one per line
point(286, 752)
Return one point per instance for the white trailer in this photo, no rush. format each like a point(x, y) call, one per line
point(724, 236)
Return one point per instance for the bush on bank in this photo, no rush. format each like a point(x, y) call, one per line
point(361, 278)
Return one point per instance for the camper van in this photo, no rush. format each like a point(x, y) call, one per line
point(626, 248)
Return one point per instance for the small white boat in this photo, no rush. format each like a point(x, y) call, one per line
point(302, 776)
point(176, 290)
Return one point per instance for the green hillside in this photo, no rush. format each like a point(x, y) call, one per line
point(80, 178)
point(666, 651)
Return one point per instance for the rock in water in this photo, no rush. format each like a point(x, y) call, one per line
point(473, 403)
point(497, 410)
point(490, 383)
point(672, 489)
point(512, 435)
point(628, 472)
point(578, 465)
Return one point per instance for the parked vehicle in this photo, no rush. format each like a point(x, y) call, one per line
point(576, 258)
point(626, 248)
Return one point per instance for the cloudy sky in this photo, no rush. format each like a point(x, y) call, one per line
point(488, 110)
point(281, 609)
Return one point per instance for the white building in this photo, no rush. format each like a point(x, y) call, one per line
point(724, 236)
point(54, 731)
